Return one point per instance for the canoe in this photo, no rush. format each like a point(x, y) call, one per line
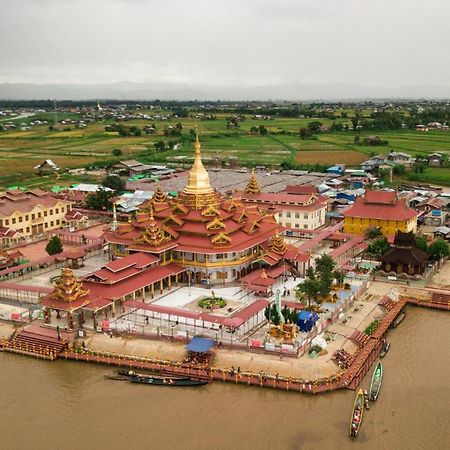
point(132, 374)
point(375, 383)
point(357, 414)
point(398, 320)
point(168, 381)
point(385, 349)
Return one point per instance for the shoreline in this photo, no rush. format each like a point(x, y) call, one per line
point(348, 378)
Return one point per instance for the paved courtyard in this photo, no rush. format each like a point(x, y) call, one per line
point(91, 264)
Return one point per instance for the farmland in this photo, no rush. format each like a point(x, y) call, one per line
point(70, 147)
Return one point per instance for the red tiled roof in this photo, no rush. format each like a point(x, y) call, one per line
point(384, 210)
point(301, 189)
point(64, 306)
point(131, 283)
point(386, 197)
point(233, 321)
point(18, 201)
point(138, 260)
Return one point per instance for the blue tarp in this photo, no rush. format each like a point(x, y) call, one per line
point(306, 320)
point(200, 345)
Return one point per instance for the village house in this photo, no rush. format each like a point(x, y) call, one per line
point(401, 158)
point(380, 209)
point(435, 160)
point(47, 166)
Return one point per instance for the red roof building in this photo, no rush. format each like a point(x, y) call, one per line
point(298, 212)
point(215, 239)
point(380, 209)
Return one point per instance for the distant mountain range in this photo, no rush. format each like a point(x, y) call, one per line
point(175, 91)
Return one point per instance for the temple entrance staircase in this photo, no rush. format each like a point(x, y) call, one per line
point(37, 345)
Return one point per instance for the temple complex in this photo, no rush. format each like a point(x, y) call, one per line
point(216, 240)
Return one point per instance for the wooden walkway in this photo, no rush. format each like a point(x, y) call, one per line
point(350, 378)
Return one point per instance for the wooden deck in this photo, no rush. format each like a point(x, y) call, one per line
point(350, 378)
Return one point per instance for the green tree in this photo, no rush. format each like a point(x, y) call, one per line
point(325, 264)
point(399, 169)
point(373, 233)
point(160, 146)
point(378, 247)
point(114, 182)
point(438, 249)
point(422, 243)
point(117, 152)
point(339, 275)
point(54, 246)
point(355, 120)
point(314, 126)
point(309, 288)
point(99, 200)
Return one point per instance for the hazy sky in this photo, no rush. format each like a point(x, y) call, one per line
point(226, 42)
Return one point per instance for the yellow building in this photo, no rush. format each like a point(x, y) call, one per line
point(380, 209)
point(24, 214)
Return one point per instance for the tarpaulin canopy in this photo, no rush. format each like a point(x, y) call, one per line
point(306, 320)
point(200, 345)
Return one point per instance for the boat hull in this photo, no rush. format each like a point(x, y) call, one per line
point(357, 414)
point(375, 382)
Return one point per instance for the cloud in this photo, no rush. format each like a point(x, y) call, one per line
point(233, 42)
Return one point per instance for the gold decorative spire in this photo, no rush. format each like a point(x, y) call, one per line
point(68, 288)
point(252, 185)
point(277, 245)
point(159, 196)
point(198, 181)
point(152, 235)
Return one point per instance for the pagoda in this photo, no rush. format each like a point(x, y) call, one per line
point(159, 196)
point(217, 240)
point(68, 288)
point(198, 192)
point(153, 235)
point(277, 245)
point(253, 186)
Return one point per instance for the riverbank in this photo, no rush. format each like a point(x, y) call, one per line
point(64, 395)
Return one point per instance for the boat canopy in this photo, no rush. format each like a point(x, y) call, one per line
point(200, 345)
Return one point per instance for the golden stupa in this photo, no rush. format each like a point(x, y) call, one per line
point(152, 235)
point(277, 245)
point(198, 192)
point(253, 186)
point(68, 288)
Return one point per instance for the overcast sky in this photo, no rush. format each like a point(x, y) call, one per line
point(226, 42)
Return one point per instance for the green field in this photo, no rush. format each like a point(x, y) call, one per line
point(20, 151)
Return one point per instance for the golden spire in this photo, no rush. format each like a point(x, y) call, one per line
point(277, 245)
point(152, 235)
point(159, 196)
point(252, 185)
point(68, 288)
point(198, 181)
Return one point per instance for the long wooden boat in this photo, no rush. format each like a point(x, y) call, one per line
point(357, 414)
point(385, 349)
point(375, 382)
point(399, 319)
point(145, 378)
point(168, 381)
point(132, 374)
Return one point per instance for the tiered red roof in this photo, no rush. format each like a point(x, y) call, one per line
point(201, 231)
point(380, 205)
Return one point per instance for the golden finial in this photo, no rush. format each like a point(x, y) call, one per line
point(253, 186)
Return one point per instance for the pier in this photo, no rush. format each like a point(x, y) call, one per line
point(370, 349)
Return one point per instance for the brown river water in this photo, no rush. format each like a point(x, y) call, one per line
point(70, 406)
